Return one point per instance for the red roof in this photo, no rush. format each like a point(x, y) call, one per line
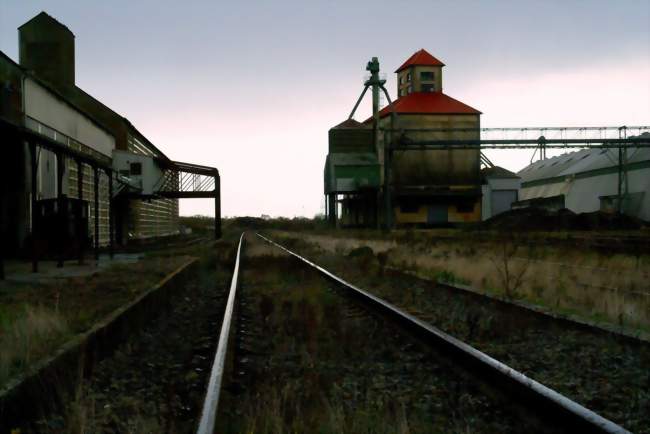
point(428, 103)
point(420, 58)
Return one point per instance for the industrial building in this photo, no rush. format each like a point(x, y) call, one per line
point(500, 190)
point(588, 181)
point(74, 166)
point(427, 187)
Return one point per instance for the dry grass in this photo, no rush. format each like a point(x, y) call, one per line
point(35, 319)
point(25, 338)
point(609, 288)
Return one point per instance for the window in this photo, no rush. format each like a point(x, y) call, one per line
point(409, 89)
point(465, 207)
point(409, 208)
point(428, 88)
point(136, 168)
point(401, 79)
point(408, 77)
point(427, 76)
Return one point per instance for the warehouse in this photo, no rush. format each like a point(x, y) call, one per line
point(84, 161)
point(428, 187)
point(588, 181)
point(56, 66)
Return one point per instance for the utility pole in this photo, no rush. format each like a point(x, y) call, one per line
point(622, 170)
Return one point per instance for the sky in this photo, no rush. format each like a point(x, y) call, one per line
point(252, 87)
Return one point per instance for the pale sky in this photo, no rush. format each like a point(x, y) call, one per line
point(252, 87)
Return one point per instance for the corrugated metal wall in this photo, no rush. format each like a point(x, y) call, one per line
point(154, 218)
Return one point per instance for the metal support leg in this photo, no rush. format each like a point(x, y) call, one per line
point(81, 237)
point(110, 213)
point(96, 188)
point(217, 207)
point(332, 209)
point(327, 216)
point(336, 211)
point(61, 214)
point(34, 173)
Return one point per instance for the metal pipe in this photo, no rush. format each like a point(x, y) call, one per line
point(365, 88)
point(217, 206)
point(545, 129)
point(211, 402)
point(636, 142)
point(388, 157)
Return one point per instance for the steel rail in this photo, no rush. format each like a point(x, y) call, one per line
point(499, 374)
point(209, 411)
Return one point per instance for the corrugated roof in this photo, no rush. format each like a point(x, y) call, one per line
point(497, 172)
point(420, 58)
point(584, 160)
point(427, 103)
point(349, 123)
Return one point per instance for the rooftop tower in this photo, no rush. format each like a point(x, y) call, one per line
point(420, 73)
point(46, 47)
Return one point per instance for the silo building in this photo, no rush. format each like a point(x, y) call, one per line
point(428, 187)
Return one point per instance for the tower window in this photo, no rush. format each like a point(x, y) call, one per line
point(401, 79)
point(427, 76)
point(408, 76)
point(136, 168)
point(428, 88)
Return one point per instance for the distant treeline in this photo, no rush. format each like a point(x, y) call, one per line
point(200, 224)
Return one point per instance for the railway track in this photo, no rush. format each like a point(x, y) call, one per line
point(382, 351)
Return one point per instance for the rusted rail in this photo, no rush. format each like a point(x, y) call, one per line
point(211, 402)
point(540, 399)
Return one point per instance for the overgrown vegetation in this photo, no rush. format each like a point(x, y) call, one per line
point(584, 365)
point(35, 319)
point(565, 276)
point(312, 361)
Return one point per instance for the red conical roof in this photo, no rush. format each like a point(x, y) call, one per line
point(427, 103)
point(420, 58)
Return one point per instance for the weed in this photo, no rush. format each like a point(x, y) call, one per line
point(25, 338)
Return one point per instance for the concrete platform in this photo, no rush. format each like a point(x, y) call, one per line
point(21, 272)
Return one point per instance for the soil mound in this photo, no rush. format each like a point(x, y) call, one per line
point(539, 219)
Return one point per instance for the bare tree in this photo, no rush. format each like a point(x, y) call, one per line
point(511, 275)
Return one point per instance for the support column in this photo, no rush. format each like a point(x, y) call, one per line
point(336, 211)
point(81, 237)
point(109, 173)
point(61, 214)
point(96, 188)
point(388, 211)
point(3, 242)
point(327, 217)
point(332, 209)
point(217, 206)
point(34, 228)
point(622, 170)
